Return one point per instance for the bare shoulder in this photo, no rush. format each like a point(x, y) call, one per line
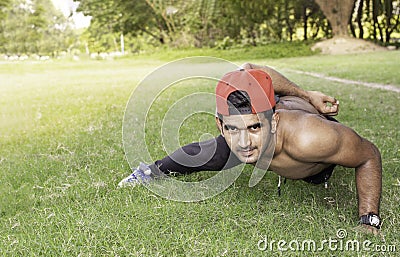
point(311, 137)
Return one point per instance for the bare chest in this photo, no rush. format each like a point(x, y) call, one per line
point(288, 167)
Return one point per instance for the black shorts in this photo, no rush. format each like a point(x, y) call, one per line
point(321, 177)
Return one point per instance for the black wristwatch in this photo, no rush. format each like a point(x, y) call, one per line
point(371, 219)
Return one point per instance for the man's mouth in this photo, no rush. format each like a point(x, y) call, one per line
point(247, 152)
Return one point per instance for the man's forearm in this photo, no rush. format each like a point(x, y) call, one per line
point(369, 185)
point(281, 84)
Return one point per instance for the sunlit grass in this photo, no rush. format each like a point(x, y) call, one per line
point(61, 157)
point(377, 67)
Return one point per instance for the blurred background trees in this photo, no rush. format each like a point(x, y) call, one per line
point(34, 26)
point(222, 23)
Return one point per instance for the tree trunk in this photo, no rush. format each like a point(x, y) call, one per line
point(352, 29)
point(287, 21)
point(389, 15)
point(377, 26)
point(338, 13)
point(305, 21)
point(359, 19)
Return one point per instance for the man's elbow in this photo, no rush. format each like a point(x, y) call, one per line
point(374, 152)
point(372, 158)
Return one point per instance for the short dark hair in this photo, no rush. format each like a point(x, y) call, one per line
point(239, 103)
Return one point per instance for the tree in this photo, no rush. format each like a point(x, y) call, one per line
point(338, 13)
point(312, 18)
point(386, 19)
point(4, 5)
point(376, 19)
point(392, 18)
point(121, 16)
point(34, 27)
point(37, 24)
point(207, 22)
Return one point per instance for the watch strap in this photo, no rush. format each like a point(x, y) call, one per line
point(371, 219)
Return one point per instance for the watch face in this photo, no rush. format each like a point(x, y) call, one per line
point(374, 220)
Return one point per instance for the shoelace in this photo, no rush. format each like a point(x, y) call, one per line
point(141, 176)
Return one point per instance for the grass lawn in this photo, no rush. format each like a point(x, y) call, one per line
point(61, 157)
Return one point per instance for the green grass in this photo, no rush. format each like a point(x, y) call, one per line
point(235, 53)
point(61, 157)
point(376, 67)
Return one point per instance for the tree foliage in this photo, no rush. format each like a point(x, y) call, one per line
point(212, 22)
point(33, 27)
point(376, 19)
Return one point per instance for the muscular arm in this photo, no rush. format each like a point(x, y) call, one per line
point(330, 142)
point(284, 86)
point(359, 153)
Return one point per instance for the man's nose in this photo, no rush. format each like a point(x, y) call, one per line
point(244, 139)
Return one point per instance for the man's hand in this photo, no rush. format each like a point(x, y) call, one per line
point(367, 229)
point(326, 105)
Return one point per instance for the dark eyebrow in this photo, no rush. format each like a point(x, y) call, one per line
point(256, 125)
point(227, 126)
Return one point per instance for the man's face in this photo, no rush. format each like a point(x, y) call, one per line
point(246, 135)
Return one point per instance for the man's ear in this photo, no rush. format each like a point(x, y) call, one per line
point(219, 125)
point(274, 122)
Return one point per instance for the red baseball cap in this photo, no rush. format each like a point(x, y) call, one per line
point(256, 83)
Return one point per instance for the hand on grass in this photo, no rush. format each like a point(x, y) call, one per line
point(367, 229)
point(326, 105)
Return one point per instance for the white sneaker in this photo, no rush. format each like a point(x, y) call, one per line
point(140, 175)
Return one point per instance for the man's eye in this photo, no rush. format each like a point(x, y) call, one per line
point(255, 127)
point(231, 128)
